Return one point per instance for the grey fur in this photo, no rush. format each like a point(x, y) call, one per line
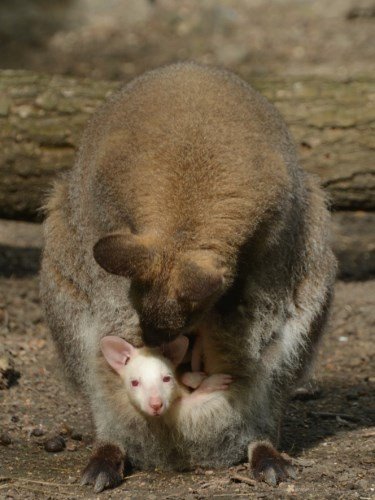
point(264, 327)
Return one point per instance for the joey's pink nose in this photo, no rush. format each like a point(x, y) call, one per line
point(156, 404)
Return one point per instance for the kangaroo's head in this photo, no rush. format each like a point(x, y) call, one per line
point(171, 290)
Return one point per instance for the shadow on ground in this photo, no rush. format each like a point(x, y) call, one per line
point(338, 408)
point(19, 262)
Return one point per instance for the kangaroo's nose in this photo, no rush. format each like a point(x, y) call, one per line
point(156, 403)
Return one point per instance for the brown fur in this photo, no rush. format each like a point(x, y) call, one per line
point(105, 468)
point(109, 453)
point(265, 458)
point(187, 212)
point(199, 214)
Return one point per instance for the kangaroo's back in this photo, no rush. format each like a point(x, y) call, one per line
point(187, 151)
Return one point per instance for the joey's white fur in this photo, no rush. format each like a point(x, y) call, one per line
point(148, 377)
point(150, 381)
point(155, 381)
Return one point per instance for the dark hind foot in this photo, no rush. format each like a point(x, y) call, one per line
point(268, 465)
point(105, 468)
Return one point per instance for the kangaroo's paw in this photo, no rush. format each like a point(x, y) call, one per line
point(216, 382)
point(105, 468)
point(268, 465)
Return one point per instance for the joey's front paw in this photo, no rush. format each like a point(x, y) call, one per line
point(269, 465)
point(105, 468)
point(216, 382)
point(193, 379)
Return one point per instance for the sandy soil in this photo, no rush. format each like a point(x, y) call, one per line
point(331, 437)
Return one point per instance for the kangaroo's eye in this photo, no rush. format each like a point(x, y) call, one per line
point(167, 378)
point(135, 383)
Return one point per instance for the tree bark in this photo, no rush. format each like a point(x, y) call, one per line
point(42, 117)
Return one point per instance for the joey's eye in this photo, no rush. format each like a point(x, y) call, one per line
point(167, 378)
point(135, 383)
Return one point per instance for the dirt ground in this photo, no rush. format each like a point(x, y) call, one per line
point(331, 437)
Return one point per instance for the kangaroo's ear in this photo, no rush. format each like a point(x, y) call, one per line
point(175, 351)
point(199, 282)
point(117, 351)
point(125, 254)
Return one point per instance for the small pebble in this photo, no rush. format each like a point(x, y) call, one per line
point(305, 462)
point(65, 430)
point(71, 447)
point(352, 397)
point(307, 393)
point(5, 439)
point(77, 436)
point(37, 432)
point(241, 468)
point(55, 444)
point(362, 483)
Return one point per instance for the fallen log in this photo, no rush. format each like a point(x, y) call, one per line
point(42, 117)
point(354, 244)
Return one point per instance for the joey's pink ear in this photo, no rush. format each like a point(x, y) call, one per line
point(117, 351)
point(176, 350)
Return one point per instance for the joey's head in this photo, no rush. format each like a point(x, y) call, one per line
point(171, 291)
point(148, 375)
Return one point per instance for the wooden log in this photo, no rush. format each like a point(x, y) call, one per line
point(354, 244)
point(41, 119)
